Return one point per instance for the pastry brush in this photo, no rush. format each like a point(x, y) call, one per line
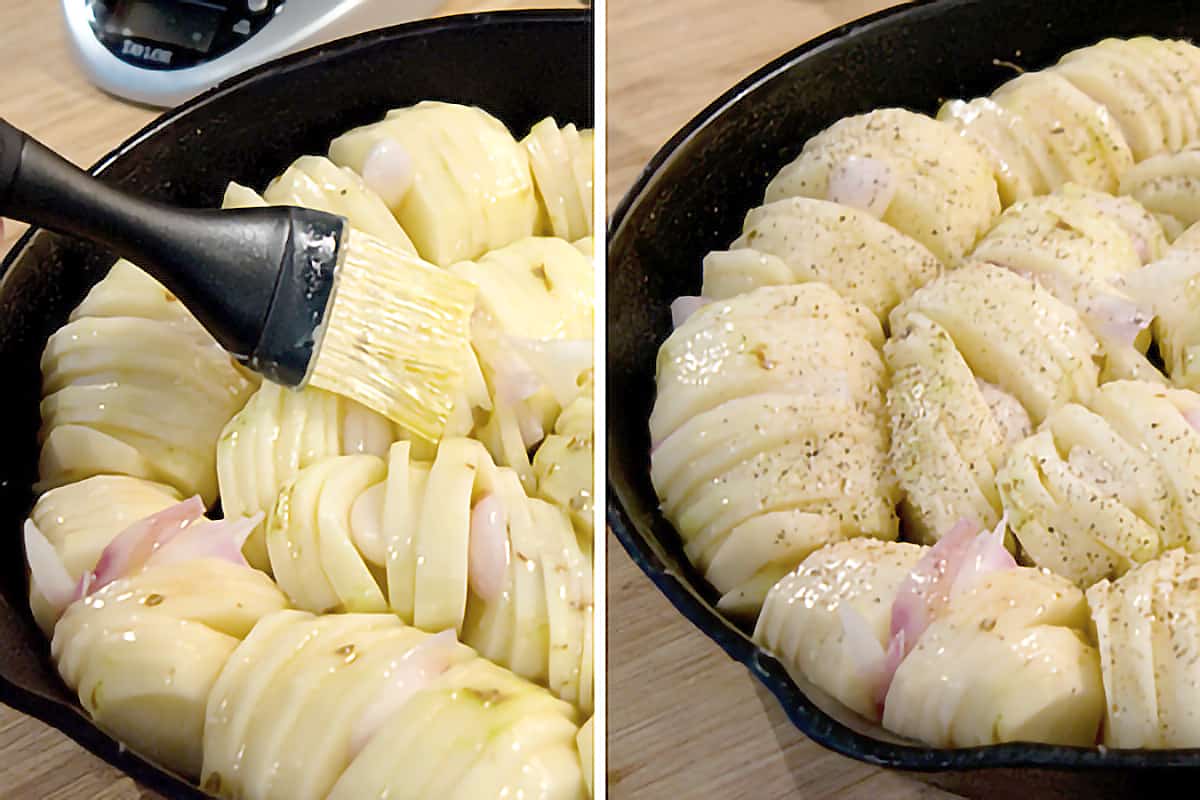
point(294, 294)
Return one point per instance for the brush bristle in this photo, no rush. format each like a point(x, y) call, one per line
point(395, 335)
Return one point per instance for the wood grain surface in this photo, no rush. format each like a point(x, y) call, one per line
point(685, 721)
point(43, 92)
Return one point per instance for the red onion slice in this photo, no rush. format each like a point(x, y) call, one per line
point(222, 539)
point(926, 590)
point(488, 556)
point(862, 182)
point(897, 649)
point(985, 555)
point(404, 679)
point(130, 550)
point(684, 306)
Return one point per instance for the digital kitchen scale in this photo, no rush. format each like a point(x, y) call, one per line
point(161, 52)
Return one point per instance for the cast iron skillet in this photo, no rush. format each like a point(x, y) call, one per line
point(520, 66)
point(692, 198)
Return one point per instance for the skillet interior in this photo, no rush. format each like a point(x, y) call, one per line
point(692, 198)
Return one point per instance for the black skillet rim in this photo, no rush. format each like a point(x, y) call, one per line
point(70, 719)
point(800, 710)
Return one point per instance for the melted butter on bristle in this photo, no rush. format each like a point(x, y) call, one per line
point(394, 335)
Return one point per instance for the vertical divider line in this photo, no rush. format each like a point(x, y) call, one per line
point(600, 251)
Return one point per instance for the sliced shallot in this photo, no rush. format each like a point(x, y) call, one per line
point(986, 554)
point(220, 539)
point(389, 171)
point(488, 555)
point(862, 182)
point(47, 571)
point(530, 425)
point(1115, 318)
point(129, 551)
point(926, 590)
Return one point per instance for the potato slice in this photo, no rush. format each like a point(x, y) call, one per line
point(1005, 661)
point(443, 534)
point(561, 161)
point(316, 182)
point(802, 340)
point(1012, 333)
point(471, 190)
point(801, 625)
point(810, 239)
point(941, 188)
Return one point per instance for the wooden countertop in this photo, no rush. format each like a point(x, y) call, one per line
point(684, 720)
point(44, 93)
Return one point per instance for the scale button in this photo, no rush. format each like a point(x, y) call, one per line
point(257, 6)
point(242, 27)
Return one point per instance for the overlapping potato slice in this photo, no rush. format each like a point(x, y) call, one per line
point(316, 182)
point(801, 340)
point(360, 705)
point(947, 440)
point(426, 529)
point(1040, 132)
point(769, 434)
point(1162, 422)
point(801, 239)
point(80, 519)
point(309, 539)
point(821, 620)
point(1147, 623)
point(143, 652)
point(561, 161)
point(133, 385)
point(1169, 287)
point(537, 618)
point(533, 337)
point(1012, 333)
point(454, 177)
point(563, 465)
point(1080, 244)
point(479, 712)
point(906, 169)
point(281, 432)
point(1006, 660)
point(1085, 502)
point(1168, 185)
point(1146, 84)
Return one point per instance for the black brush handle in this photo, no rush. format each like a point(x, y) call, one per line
point(223, 265)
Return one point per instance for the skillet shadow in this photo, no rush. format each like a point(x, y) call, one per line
point(985, 784)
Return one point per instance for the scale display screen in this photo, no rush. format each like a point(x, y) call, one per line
point(183, 23)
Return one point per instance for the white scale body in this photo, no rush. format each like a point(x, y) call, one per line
point(162, 52)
